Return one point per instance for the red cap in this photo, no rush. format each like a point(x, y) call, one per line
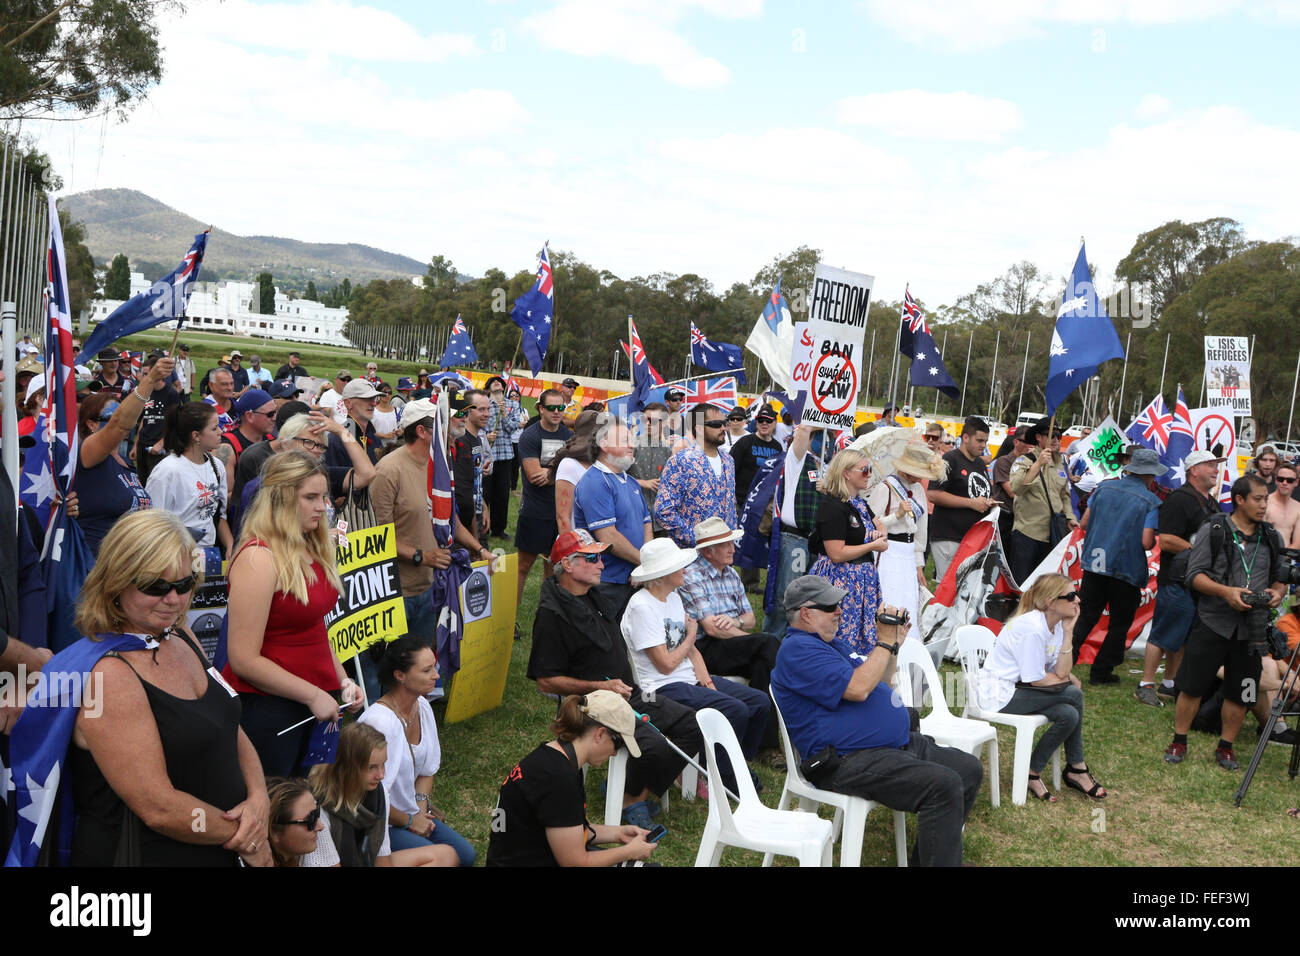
point(573, 542)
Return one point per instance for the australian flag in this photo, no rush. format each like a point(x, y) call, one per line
point(654, 374)
point(1168, 433)
point(916, 342)
point(444, 593)
point(534, 311)
point(459, 347)
point(165, 301)
point(1084, 337)
point(643, 376)
point(717, 356)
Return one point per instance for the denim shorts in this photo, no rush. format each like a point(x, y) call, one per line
point(1175, 612)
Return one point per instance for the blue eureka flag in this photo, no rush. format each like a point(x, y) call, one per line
point(1084, 337)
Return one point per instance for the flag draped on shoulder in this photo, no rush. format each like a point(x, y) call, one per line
point(459, 347)
point(1084, 337)
point(772, 339)
point(165, 300)
point(534, 313)
point(717, 356)
point(444, 593)
point(916, 342)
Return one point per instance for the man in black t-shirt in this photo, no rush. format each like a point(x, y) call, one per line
point(750, 451)
point(148, 438)
point(1175, 611)
point(292, 369)
point(963, 497)
point(536, 529)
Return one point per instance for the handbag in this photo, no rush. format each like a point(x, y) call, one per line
point(1058, 526)
point(357, 510)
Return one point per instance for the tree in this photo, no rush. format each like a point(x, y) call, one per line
point(1169, 258)
point(117, 282)
point(795, 272)
point(310, 294)
point(440, 270)
point(265, 294)
point(81, 57)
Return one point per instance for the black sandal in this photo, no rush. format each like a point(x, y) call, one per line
point(1096, 792)
point(1045, 795)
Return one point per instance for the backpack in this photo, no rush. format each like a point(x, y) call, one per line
point(1217, 528)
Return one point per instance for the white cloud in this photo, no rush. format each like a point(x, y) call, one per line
point(916, 114)
point(978, 24)
point(325, 27)
point(1152, 106)
point(638, 32)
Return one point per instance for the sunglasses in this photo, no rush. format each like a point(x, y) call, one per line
point(309, 821)
point(764, 421)
point(721, 422)
point(1070, 596)
point(589, 557)
point(1286, 481)
point(825, 608)
point(553, 408)
point(932, 437)
point(161, 588)
point(865, 470)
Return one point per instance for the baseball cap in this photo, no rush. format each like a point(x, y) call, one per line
point(344, 374)
point(1200, 457)
point(767, 411)
point(285, 388)
point(812, 589)
point(571, 383)
point(404, 384)
point(224, 359)
point(359, 388)
point(417, 411)
point(183, 347)
point(612, 712)
point(250, 401)
point(575, 542)
point(674, 395)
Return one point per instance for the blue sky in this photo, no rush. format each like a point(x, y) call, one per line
point(934, 142)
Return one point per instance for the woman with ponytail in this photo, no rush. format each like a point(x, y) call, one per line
point(191, 481)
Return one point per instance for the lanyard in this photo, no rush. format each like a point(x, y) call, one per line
point(1236, 538)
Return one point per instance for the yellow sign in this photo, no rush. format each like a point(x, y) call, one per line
point(370, 609)
point(487, 643)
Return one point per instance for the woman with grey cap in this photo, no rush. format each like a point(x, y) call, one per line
point(541, 815)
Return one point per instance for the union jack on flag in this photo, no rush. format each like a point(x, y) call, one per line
point(459, 327)
point(1153, 426)
point(718, 392)
point(912, 313)
point(60, 411)
point(444, 593)
point(654, 374)
point(697, 338)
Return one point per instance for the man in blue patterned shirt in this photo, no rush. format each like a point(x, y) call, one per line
point(698, 482)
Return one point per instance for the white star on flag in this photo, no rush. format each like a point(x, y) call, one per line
point(933, 370)
point(43, 484)
point(6, 782)
point(39, 810)
point(920, 356)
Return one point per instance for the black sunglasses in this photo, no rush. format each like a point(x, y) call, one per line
point(553, 408)
point(764, 420)
point(825, 608)
point(309, 821)
point(1070, 596)
point(161, 588)
point(721, 422)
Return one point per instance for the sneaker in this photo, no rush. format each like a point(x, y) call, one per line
point(1175, 753)
point(1147, 695)
point(1096, 679)
point(1167, 691)
point(1226, 759)
point(1286, 737)
point(638, 814)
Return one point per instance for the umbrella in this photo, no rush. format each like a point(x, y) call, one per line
point(883, 447)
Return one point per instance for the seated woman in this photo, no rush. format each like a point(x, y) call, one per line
point(541, 813)
point(662, 638)
point(296, 826)
point(156, 749)
point(1028, 672)
point(848, 543)
point(354, 807)
point(407, 672)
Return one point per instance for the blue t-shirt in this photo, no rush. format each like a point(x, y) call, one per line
point(104, 494)
point(602, 499)
point(809, 681)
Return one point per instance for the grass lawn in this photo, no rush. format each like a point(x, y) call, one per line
point(1156, 815)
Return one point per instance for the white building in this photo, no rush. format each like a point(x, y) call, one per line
point(228, 307)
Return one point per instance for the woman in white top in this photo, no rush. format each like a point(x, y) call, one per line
point(899, 507)
point(386, 417)
point(1028, 672)
point(407, 672)
point(570, 464)
point(191, 481)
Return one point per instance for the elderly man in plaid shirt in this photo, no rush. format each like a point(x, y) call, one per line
point(503, 420)
point(715, 596)
point(698, 482)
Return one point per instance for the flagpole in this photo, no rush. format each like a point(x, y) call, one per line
point(1123, 379)
point(965, 378)
point(942, 349)
point(1020, 402)
point(997, 343)
point(1294, 382)
point(870, 364)
point(1163, 365)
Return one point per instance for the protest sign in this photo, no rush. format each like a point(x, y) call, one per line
point(1214, 430)
point(487, 641)
point(837, 322)
point(801, 358)
point(1227, 372)
point(1104, 449)
point(370, 607)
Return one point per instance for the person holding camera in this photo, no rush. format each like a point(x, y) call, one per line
point(854, 735)
point(1237, 567)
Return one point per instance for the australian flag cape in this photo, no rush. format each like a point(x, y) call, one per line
point(38, 746)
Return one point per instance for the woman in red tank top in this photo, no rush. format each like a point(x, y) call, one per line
point(283, 582)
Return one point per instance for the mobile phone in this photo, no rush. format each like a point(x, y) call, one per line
point(654, 835)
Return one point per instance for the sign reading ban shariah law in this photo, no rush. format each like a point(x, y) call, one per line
point(837, 323)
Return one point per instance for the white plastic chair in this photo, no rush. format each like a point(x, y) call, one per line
point(974, 641)
point(752, 826)
point(850, 811)
point(945, 727)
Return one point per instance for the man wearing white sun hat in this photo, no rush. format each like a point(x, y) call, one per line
point(662, 638)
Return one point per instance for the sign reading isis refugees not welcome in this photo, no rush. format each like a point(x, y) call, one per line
point(370, 607)
point(837, 322)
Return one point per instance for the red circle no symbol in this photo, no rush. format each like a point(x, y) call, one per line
point(841, 372)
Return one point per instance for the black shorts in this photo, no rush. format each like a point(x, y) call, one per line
point(535, 535)
point(1205, 652)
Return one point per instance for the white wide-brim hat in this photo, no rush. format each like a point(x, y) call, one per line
point(660, 558)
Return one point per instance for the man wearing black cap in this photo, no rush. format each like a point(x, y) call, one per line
point(109, 377)
point(674, 426)
point(572, 409)
point(751, 451)
point(833, 699)
point(292, 369)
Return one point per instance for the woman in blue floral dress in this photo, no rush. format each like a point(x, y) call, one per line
point(848, 543)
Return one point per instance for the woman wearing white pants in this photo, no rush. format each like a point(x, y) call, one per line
point(899, 505)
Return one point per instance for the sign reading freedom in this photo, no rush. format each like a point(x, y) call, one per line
point(837, 321)
point(370, 608)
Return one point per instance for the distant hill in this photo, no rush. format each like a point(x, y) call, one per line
point(154, 237)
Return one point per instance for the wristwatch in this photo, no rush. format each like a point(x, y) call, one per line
point(417, 559)
point(892, 648)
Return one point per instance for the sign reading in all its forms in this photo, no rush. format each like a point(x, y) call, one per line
point(370, 607)
point(837, 323)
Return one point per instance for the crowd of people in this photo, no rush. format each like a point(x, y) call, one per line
point(644, 608)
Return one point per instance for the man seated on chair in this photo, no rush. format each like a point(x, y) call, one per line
point(833, 697)
point(578, 648)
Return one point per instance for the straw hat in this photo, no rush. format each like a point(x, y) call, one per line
point(920, 462)
point(660, 558)
point(713, 531)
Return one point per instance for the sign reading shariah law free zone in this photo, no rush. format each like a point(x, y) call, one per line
point(370, 607)
point(837, 323)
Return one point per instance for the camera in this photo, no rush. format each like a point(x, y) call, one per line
point(1256, 599)
point(901, 619)
point(1290, 571)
